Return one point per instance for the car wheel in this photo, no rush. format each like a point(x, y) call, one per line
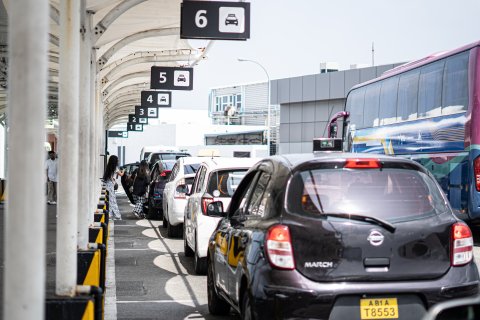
point(186, 249)
point(199, 264)
point(170, 230)
point(216, 305)
point(151, 212)
point(246, 310)
point(165, 222)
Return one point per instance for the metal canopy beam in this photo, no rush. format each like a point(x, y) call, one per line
point(110, 85)
point(135, 37)
point(110, 17)
point(149, 59)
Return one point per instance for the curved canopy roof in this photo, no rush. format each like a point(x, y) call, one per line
point(129, 36)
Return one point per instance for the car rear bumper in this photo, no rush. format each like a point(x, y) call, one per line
point(206, 226)
point(290, 295)
point(177, 212)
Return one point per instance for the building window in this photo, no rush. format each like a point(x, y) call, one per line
point(222, 102)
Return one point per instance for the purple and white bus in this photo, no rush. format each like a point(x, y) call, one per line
point(429, 111)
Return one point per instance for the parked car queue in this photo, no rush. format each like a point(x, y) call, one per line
point(325, 236)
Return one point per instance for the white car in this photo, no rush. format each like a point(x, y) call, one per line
point(174, 194)
point(216, 180)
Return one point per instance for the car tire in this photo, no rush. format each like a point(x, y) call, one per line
point(165, 222)
point(216, 305)
point(174, 231)
point(151, 212)
point(186, 249)
point(199, 264)
point(246, 309)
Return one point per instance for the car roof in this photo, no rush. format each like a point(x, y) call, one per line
point(227, 162)
point(293, 160)
point(189, 160)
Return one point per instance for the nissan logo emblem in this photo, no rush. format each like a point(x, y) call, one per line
point(375, 238)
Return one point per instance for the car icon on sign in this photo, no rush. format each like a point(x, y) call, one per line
point(231, 19)
point(181, 78)
point(163, 99)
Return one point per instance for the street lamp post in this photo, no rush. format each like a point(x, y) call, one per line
point(268, 100)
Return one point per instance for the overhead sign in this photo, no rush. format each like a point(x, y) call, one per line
point(149, 112)
point(215, 20)
point(118, 134)
point(162, 99)
point(132, 118)
point(171, 78)
point(134, 126)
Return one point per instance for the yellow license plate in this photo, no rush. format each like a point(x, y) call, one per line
point(381, 308)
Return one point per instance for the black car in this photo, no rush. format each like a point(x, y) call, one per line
point(127, 179)
point(338, 236)
point(159, 177)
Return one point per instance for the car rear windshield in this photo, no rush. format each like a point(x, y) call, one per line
point(390, 194)
point(190, 168)
point(225, 181)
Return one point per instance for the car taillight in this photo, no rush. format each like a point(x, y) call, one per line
point(165, 173)
point(205, 202)
point(362, 164)
point(462, 245)
point(476, 169)
point(179, 195)
point(279, 248)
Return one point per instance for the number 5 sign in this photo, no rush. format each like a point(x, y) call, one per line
point(171, 78)
point(215, 20)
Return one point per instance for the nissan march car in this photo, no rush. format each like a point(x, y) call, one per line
point(337, 236)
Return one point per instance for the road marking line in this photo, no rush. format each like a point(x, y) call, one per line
point(155, 301)
point(110, 284)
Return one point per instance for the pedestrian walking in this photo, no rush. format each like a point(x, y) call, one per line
point(140, 186)
point(51, 166)
point(109, 181)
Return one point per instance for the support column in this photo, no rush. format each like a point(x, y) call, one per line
point(84, 128)
point(25, 218)
point(68, 93)
point(94, 182)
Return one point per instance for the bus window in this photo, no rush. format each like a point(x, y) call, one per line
point(388, 101)
point(407, 95)
point(355, 102)
point(455, 84)
point(372, 103)
point(430, 90)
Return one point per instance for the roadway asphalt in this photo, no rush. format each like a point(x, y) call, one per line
point(148, 275)
point(153, 278)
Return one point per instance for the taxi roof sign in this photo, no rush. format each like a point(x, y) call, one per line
point(327, 144)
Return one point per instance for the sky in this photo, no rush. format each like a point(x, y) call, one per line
point(291, 38)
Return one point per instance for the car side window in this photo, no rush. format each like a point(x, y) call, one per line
point(155, 173)
point(200, 180)
point(259, 198)
point(174, 172)
point(245, 194)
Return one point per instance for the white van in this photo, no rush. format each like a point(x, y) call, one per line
point(159, 148)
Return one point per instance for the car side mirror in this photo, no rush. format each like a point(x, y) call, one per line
point(182, 188)
point(215, 209)
point(459, 309)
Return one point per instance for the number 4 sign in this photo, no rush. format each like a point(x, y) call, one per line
point(161, 99)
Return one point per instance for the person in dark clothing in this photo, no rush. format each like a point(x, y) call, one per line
point(140, 185)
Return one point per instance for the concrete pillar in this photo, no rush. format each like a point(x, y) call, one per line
point(84, 128)
point(68, 93)
point(94, 182)
point(25, 218)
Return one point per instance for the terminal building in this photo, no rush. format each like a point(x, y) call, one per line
point(306, 104)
